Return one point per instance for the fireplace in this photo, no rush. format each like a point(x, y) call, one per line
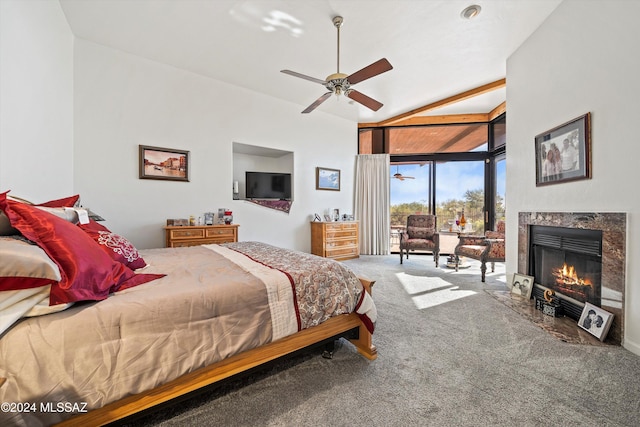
point(569, 262)
point(594, 244)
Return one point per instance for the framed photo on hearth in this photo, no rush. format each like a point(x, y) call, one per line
point(164, 163)
point(595, 320)
point(564, 152)
point(522, 285)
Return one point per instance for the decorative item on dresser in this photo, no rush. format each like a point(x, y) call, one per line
point(200, 235)
point(337, 239)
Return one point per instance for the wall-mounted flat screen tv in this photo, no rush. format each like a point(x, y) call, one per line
point(268, 185)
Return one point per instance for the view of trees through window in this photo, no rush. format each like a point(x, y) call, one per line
point(459, 188)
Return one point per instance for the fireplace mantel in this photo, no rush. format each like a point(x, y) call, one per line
point(613, 227)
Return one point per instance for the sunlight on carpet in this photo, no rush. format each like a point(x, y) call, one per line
point(431, 291)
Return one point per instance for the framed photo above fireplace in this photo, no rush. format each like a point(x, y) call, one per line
point(595, 320)
point(522, 285)
point(564, 152)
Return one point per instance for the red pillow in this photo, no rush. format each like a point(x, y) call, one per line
point(66, 202)
point(87, 272)
point(116, 246)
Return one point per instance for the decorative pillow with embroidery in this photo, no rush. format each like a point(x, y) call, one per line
point(116, 246)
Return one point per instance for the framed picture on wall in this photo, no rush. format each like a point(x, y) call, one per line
point(564, 152)
point(327, 179)
point(164, 163)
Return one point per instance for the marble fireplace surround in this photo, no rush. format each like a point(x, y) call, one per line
point(614, 232)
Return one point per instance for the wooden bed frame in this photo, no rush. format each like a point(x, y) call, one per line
point(231, 366)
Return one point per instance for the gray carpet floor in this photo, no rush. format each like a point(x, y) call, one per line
point(449, 354)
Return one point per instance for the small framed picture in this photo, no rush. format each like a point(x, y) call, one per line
point(327, 179)
point(595, 320)
point(327, 218)
point(522, 285)
point(164, 163)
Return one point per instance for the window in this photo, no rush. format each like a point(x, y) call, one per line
point(445, 169)
point(460, 190)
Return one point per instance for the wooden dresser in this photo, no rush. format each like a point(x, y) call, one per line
point(200, 235)
point(337, 240)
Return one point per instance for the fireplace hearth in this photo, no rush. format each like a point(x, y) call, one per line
point(580, 256)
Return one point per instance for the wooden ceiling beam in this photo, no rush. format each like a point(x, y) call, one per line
point(440, 120)
point(498, 84)
point(497, 111)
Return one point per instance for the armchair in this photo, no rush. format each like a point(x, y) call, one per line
point(421, 233)
point(487, 248)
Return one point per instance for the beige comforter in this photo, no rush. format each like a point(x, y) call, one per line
point(215, 301)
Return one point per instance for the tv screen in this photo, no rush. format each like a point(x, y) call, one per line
point(268, 185)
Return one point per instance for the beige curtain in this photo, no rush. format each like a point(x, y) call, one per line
point(372, 203)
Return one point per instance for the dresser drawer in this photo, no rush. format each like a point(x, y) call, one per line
point(335, 244)
point(185, 243)
point(340, 226)
point(342, 252)
point(341, 234)
point(193, 233)
point(221, 233)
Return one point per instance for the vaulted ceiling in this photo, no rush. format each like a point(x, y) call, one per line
point(435, 53)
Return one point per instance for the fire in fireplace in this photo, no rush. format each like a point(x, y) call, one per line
point(568, 281)
point(569, 262)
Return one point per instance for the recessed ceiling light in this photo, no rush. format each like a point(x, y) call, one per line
point(470, 12)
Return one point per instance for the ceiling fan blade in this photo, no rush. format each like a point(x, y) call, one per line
point(302, 76)
point(369, 71)
point(364, 100)
point(317, 102)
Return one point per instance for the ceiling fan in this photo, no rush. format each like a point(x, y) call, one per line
point(401, 177)
point(339, 83)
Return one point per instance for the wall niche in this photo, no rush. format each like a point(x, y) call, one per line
point(255, 158)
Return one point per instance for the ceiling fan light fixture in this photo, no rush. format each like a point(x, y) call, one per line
point(340, 83)
point(470, 12)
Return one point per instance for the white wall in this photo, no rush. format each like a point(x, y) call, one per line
point(36, 106)
point(582, 59)
point(122, 100)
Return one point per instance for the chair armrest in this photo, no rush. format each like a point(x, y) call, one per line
point(493, 241)
point(495, 249)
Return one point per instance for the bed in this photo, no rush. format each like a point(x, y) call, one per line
point(188, 318)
